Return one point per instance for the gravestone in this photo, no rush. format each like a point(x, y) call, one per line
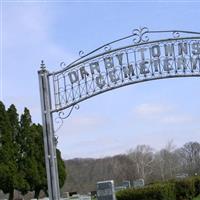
point(138, 183)
point(126, 184)
point(106, 190)
point(181, 176)
point(84, 197)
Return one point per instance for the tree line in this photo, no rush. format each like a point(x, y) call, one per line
point(168, 163)
point(22, 162)
point(140, 162)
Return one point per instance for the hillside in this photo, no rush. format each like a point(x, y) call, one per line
point(84, 173)
point(141, 162)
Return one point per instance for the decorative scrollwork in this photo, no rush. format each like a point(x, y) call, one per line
point(107, 48)
point(63, 65)
point(139, 35)
point(59, 123)
point(81, 53)
point(176, 34)
point(64, 115)
point(76, 106)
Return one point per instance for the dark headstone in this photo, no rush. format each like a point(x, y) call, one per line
point(106, 190)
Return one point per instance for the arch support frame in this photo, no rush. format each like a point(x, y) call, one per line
point(48, 135)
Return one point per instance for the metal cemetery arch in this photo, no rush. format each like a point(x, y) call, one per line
point(136, 58)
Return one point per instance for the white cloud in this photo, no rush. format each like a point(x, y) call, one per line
point(162, 113)
point(149, 110)
point(177, 119)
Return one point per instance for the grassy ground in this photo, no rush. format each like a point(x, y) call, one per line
point(197, 198)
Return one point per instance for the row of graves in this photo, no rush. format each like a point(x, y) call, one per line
point(106, 189)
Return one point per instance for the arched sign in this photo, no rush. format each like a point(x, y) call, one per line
point(142, 56)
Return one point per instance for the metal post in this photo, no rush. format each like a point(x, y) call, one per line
point(48, 135)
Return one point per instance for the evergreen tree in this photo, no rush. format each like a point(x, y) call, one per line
point(22, 160)
point(34, 159)
point(20, 183)
point(14, 122)
point(27, 163)
point(61, 168)
point(8, 167)
point(41, 181)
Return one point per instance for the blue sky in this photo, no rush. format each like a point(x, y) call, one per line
point(150, 113)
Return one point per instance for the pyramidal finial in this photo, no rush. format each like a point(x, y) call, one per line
point(42, 66)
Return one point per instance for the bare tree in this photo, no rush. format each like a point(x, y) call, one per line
point(166, 163)
point(190, 157)
point(142, 157)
